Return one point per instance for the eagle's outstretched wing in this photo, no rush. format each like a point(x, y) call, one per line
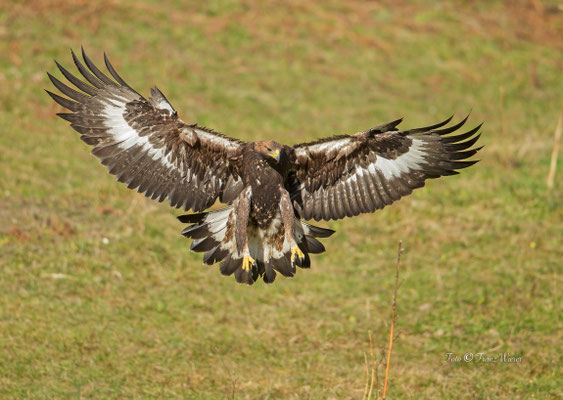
point(347, 175)
point(145, 144)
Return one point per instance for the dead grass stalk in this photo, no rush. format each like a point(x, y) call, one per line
point(555, 151)
point(371, 370)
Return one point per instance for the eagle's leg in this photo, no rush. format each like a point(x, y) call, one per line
point(288, 218)
point(241, 236)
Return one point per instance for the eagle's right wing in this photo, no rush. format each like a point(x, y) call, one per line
point(145, 144)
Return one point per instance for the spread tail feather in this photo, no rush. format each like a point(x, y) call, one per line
point(213, 234)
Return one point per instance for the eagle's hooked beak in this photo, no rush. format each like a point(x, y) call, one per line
point(275, 155)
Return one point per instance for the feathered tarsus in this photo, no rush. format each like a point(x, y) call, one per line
point(268, 187)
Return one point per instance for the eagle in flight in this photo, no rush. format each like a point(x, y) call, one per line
point(269, 188)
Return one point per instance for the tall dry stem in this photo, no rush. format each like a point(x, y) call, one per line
point(394, 307)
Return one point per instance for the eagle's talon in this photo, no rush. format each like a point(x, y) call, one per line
point(248, 262)
point(297, 254)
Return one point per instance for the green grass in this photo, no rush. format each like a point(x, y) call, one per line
point(101, 298)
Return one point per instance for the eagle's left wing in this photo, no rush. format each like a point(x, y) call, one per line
point(347, 175)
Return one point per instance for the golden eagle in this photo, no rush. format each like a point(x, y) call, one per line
point(269, 188)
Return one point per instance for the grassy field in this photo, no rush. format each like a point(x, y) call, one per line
point(100, 296)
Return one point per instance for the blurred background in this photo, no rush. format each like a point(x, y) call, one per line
point(100, 296)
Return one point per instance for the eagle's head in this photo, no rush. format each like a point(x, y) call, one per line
point(270, 150)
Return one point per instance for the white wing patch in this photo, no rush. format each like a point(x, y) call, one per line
point(126, 137)
point(411, 160)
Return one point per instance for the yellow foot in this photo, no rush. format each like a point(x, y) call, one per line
point(247, 262)
point(296, 253)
